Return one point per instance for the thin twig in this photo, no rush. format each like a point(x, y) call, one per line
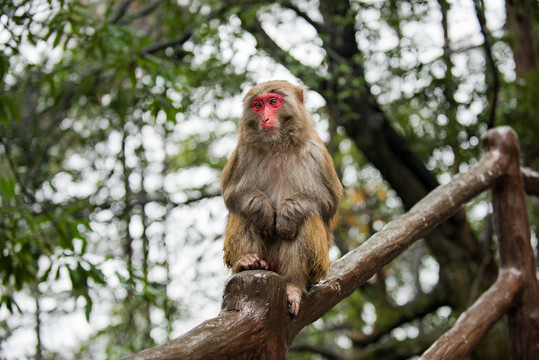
point(121, 12)
point(302, 14)
point(143, 12)
point(493, 88)
point(186, 36)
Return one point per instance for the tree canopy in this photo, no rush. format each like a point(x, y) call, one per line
point(116, 118)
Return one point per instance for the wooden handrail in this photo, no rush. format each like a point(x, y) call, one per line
point(475, 322)
point(531, 181)
point(518, 298)
point(254, 323)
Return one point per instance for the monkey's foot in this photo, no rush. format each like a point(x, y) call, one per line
point(250, 262)
point(293, 296)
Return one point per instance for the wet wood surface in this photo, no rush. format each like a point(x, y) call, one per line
point(531, 181)
point(475, 322)
point(255, 324)
point(512, 228)
point(516, 291)
point(249, 325)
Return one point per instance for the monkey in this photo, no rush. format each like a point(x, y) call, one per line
point(281, 190)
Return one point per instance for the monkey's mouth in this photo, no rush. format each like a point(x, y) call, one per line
point(268, 129)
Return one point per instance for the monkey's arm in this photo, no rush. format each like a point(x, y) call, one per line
point(250, 202)
point(333, 186)
point(235, 197)
point(291, 212)
point(322, 199)
point(228, 171)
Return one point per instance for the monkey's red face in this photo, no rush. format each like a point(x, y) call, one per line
point(267, 107)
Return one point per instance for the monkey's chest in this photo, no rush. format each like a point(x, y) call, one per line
point(280, 188)
point(282, 179)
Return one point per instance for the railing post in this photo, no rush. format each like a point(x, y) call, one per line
point(251, 326)
point(262, 299)
point(513, 232)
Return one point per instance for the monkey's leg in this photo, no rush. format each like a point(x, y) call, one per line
point(243, 246)
point(317, 240)
point(305, 260)
point(293, 297)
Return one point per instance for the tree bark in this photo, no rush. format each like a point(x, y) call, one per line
point(522, 16)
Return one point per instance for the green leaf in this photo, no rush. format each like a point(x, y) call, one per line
point(9, 111)
point(10, 303)
point(4, 66)
point(88, 307)
point(8, 189)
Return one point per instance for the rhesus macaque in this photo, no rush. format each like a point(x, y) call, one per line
point(281, 190)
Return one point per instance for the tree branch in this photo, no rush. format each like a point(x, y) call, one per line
point(302, 14)
point(492, 68)
point(393, 349)
point(329, 354)
point(29, 195)
point(174, 43)
point(267, 44)
point(144, 11)
point(178, 43)
point(449, 83)
point(402, 315)
point(121, 11)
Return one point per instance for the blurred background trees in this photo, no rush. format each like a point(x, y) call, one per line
point(116, 118)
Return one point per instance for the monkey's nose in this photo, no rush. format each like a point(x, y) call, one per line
point(266, 120)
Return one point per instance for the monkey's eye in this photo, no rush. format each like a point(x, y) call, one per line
point(257, 104)
point(273, 101)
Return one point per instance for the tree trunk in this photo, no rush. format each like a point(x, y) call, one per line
point(521, 25)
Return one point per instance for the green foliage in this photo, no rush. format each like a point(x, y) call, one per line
point(110, 111)
point(107, 75)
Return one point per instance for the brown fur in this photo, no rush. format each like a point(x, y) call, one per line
point(282, 192)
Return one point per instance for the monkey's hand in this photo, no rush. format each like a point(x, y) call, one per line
point(262, 214)
point(289, 216)
point(249, 262)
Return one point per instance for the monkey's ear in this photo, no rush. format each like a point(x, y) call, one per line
point(300, 94)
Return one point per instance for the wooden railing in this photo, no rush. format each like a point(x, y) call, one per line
point(254, 322)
